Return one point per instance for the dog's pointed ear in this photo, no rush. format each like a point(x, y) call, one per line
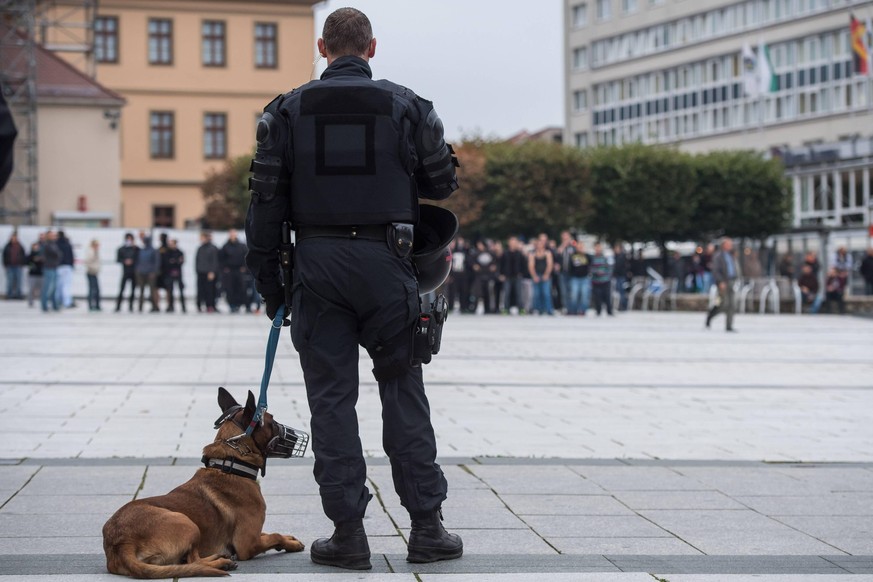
point(250, 408)
point(225, 400)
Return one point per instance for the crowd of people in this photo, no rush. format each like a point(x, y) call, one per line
point(540, 276)
point(150, 275)
point(544, 276)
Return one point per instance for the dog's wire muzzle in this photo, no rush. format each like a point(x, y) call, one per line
point(290, 442)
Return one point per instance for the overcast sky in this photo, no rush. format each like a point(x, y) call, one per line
point(491, 67)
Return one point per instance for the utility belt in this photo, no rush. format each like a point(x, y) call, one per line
point(398, 235)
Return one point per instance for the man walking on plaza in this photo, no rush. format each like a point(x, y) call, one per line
point(345, 158)
point(724, 274)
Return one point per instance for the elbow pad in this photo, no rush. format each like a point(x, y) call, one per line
point(436, 176)
point(269, 169)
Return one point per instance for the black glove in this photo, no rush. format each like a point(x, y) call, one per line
point(273, 303)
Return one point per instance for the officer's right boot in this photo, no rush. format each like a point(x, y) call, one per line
point(430, 542)
point(346, 548)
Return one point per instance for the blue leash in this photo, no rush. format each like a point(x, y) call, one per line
point(272, 344)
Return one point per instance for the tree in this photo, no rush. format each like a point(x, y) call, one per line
point(226, 193)
point(531, 188)
point(741, 195)
point(641, 193)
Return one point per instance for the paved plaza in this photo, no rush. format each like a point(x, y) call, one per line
point(635, 448)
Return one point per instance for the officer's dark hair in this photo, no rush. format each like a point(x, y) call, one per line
point(347, 31)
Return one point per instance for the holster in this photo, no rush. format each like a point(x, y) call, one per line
point(400, 238)
point(286, 260)
point(428, 334)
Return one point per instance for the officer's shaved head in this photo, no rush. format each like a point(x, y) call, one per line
point(347, 31)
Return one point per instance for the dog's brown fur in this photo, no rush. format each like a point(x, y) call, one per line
point(215, 514)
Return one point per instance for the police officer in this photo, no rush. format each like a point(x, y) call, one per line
point(345, 158)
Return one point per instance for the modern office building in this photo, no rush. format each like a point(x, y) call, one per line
point(779, 76)
point(195, 75)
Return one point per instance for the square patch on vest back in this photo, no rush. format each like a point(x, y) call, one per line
point(345, 145)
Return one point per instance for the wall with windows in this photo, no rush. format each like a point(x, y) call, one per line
point(196, 75)
point(705, 97)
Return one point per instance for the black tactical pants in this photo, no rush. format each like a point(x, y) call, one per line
point(350, 292)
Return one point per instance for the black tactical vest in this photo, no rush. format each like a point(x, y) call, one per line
point(351, 154)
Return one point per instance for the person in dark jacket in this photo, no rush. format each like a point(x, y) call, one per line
point(866, 270)
point(34, 271)
point(65, 271)
point(14, 260)
point(232, 259)
point(512, 266)
point(206, 264)
point(808, 284)
point(174, 259)
point(148, 265)
point(127, 255)
point(51, 259)
point(620, 274)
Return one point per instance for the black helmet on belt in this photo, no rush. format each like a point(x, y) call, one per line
point(436, 228)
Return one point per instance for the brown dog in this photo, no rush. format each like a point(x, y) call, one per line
point(219, 513)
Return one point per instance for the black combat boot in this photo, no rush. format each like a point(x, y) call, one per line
point(346, 548)
point(430, 542)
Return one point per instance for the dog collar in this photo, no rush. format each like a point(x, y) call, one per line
point(233, 467)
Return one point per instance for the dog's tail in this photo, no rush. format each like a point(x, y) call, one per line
point(127, 563)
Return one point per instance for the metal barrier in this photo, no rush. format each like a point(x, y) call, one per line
point(771, 292)
point(632, 294)
point(744, 292)
point(798, 297)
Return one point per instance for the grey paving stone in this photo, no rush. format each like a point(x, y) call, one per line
point(52, 525)
point(851, 534)
point(552, 577)
point(565, 505)
point(534, 480)
point(594, 526)
point(13, 478)
point(761, 578)
point(505, 564)
point(293, 504)
point(676, 500)
point(94, 481)
point(727, 564)
point(45, 546)
point(638, 478)
point(63, 504)
point(833, 504)
point(668, 546)
point(737, 532)
point(754, 481)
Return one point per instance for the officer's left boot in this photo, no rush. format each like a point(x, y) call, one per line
point(346, 548)
point(430, 542)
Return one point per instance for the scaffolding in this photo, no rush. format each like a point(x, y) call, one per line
point(65, 27)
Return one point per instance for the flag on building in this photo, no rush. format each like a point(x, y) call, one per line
point(767, 81)
point(750, 72)
point(758, 75)
point(860, 46)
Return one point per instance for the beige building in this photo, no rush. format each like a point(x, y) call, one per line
point(196, 75)
point(78, 145)
point(673, 72)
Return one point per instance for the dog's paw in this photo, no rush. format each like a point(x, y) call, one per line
point(221, 563)
point(291, 544)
